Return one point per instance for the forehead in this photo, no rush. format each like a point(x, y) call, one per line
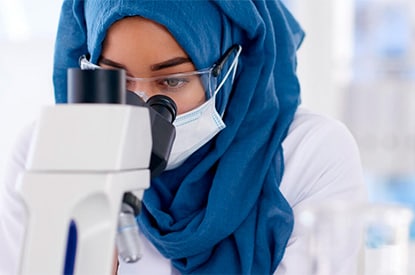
point(196, 25)
point(137, 36)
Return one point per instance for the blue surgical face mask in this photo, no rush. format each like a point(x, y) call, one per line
point(196, 127)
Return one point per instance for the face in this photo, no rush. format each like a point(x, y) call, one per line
point(150, 55)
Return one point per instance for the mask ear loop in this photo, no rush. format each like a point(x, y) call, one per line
point(232, 69)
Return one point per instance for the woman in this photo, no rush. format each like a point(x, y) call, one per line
point(245, 157)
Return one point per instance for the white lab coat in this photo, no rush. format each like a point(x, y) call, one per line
point(321, 162)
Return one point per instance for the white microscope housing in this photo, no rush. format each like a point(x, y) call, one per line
point(82, 160)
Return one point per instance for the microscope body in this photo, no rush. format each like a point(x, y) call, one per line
point(85, 162)
point(83, 158)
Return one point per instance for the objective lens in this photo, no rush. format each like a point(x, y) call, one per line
point(127, 240)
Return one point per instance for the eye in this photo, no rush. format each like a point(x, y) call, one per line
point(173, 82)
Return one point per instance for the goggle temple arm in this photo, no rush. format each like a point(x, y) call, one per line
point(218, 66)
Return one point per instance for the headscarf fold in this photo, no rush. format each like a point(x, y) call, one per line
point(221, 212)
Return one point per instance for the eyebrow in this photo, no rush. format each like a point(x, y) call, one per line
point(170, 63)
point(156, 67)
point(111, 63)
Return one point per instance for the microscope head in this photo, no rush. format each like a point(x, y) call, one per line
point(107, 86)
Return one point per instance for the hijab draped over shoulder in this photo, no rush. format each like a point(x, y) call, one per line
point(221, 212)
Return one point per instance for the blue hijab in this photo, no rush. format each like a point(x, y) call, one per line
point(221, 212)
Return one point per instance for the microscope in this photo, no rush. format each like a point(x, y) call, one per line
point(87, 168)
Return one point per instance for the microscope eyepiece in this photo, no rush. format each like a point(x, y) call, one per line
point(163, 111)
point(164, 105)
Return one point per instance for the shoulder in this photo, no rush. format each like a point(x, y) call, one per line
point(322, 163)
point(310, 129)
point(321, 159)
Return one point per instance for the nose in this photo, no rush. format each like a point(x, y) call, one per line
point(142, 89)
point(142, 94)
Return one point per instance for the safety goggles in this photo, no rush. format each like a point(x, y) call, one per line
point(179, 84)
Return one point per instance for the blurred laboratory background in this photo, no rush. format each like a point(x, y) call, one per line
point(357, 64)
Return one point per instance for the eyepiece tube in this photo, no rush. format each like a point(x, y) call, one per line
point(163, 112)
point(96, 86)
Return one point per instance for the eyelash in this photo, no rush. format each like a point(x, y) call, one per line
point(181, 82)
point(163, 83)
